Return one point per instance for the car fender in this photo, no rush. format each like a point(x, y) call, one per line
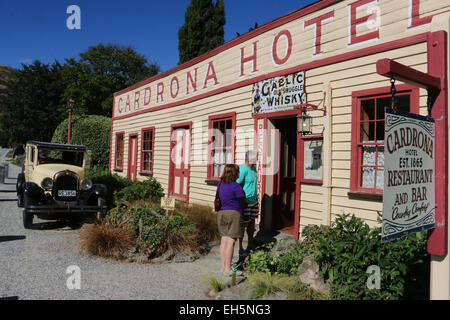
point(33, 191)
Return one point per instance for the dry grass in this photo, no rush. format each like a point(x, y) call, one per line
point(106, 240)
point(204, 217)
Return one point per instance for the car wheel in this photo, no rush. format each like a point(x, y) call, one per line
point(101, 213)
point(27, 219)
point(20, 201)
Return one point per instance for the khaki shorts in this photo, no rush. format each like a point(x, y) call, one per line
point(230, 224)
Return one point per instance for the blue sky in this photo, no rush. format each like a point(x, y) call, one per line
point(31, 30)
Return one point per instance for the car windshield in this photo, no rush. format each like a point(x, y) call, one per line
point(46, 155)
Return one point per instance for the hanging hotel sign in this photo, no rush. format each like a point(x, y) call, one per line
point(408, 199)
point(279, 93)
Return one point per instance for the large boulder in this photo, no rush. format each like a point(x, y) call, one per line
point(310, 274)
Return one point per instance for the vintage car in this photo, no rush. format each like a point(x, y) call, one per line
point(52, 184)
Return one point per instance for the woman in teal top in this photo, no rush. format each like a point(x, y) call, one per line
point(248, 178)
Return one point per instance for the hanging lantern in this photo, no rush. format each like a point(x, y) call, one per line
point(304, 123)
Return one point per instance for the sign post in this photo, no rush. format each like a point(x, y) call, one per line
point(409, 173)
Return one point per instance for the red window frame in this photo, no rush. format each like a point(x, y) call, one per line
point(122, 147)
point(302, 160)
point(211, 120)
point(150, 130)
point(356, 145)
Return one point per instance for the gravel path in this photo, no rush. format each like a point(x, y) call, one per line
point(33, 264)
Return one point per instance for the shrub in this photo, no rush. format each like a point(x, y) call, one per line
point(149, 189)
point(93, 131)
point(113, 182)
point(345, 251)
point(204, 217)
point(106, 240)
point(290, 262)
point(261, 261)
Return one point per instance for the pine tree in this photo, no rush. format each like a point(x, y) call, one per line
point(203, 29)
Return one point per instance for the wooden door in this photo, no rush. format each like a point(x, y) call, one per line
point(132, 156)
point(180, 163)
point(285, 206)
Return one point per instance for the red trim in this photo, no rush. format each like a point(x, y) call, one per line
point(111, 135)
point(302, 160)
point(404, 42)
point(296, 14)
point(171, 164)
point(298, 189)
point(357, 96)
point(391, 68)
point(143, 130)
point(134, 135)
point(438, 67)
point(220, 117)
point(116, 168)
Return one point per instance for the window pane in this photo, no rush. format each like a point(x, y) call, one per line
point(228, 138)
point(380, 131)
point(367, 131)
point(380, 160)
point(404, 103)
point(368, 109)
point(368, 177)
point(216, 171)
point(368, 156)
point(229, 156)
point(380, 178)
point(381, 104)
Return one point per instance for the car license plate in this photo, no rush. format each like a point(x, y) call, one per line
point(67, 193)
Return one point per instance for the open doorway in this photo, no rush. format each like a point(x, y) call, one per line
point(285, 178)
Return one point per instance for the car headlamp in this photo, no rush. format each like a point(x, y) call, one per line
point(47, 183)
point(86, 184)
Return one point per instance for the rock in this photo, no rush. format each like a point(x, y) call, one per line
point(279, 295)
point(282, 247)
point(309, 274)
point(183, 256)
point(237, 292)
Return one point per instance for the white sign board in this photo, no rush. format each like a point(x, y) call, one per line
point(408, 198)
point(279, 93)
point(168, 203)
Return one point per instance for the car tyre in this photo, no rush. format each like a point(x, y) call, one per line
point(27, 217)
point(101, 213)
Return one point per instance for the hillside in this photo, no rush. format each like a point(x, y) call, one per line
point(6, 73)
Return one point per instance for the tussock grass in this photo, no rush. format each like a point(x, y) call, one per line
point(204, 217)
point(264, 284)
point(106, 240)
point(213, 283)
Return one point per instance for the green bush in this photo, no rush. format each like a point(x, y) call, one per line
point(113, 182)
point(93, 131)
point(156, 233)
point(345, 251)
point(149, 189)
point(261, 261)
point(290, 262)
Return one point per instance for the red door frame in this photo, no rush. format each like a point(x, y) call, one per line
point(284, 114)
point(130, 137)
point(172, 165)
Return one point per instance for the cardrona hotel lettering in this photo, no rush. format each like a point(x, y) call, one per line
point(203, 77)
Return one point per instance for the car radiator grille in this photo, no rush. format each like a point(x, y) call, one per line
point(64, 187)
